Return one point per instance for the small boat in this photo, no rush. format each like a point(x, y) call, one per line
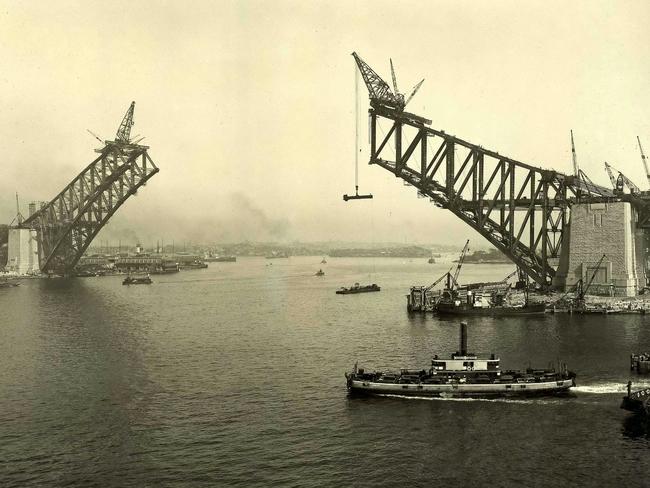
point(320, 272)
point(637, 401)
point(138, 280)
point(463, 374)
point(324, 261)
point(432, 261)
point(640, 362)
point(356, 288)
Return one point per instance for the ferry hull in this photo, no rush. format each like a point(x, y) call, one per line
point(462, 390)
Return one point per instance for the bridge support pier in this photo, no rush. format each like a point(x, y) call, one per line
point(610, 229)
point(22, 251)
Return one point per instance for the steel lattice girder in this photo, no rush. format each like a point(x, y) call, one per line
point(67, 225)
point(521, 209)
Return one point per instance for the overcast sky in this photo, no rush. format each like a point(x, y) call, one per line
point(248, 107)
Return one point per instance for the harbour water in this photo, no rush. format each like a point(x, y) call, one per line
point(233, 376)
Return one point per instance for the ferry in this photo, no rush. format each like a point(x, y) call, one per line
point(637, 401)
point(463, 374)
point(356, 288)
point(143, 280)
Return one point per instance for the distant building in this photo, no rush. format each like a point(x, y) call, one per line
point(141, 263)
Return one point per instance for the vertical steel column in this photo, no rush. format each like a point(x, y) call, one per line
point(423, 157)
point(545, 228)
point(531, 220)
point(481, 189)
point(449, 177)
point(373, 137)
point(398, 148)
point(511, 211)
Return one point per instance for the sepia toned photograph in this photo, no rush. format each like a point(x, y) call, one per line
point(309, 243)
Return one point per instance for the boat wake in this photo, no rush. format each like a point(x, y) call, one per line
point(609, 388)
point(521, 401)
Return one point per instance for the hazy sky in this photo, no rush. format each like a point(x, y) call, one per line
point(248, 106)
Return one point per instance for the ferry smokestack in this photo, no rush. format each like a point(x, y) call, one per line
point(463, 338)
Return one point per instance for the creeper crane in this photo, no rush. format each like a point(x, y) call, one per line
point(124, 131)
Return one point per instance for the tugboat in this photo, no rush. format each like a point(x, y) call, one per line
point(638, 401)
point(640, 362)
point(141, 280)
point(320, 272)
point(356, 288)
point(462, 375)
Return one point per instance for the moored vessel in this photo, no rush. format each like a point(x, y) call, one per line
point(640, 362)
point(356, 288)
point(463, 374)
point(137, 280)
point(637, 401)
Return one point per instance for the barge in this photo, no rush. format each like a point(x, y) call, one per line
point(463, 374)
point(141, 280)
point(356, 288)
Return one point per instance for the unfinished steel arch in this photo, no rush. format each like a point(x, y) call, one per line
point(520, 209)
point(66, 225)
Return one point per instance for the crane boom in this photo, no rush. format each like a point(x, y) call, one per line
point(612, 178)
point(621, 181)
point(643, 158)
point(463, 253)
point(124, 131)
point(576, 171)
point(378, 89)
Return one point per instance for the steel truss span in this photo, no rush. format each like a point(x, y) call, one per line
point(67, 225)
point(520, 209)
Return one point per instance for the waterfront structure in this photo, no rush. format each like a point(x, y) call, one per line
point(22, 256)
